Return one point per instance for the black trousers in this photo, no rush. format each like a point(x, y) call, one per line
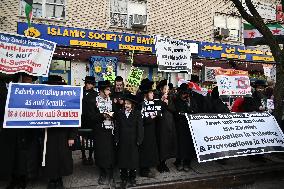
point(127, 174)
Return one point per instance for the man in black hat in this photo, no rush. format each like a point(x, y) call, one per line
point(103, 126)
point(24, 158)
point(88, 105)
point(166, 132)
point(257, 102)
point(128, 137)
point(118, 91)
point(58, 158)
point(149, 156)
point(184, 104)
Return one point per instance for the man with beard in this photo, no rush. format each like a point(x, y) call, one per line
point(21, 161)
point(88, 105)
point(256, 103)
point(184, 104)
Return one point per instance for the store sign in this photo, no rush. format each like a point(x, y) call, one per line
point(25, 54)
point(233, 82)
point(218, 136)
point(67, 36)
point(241, 53)
point(43, 106)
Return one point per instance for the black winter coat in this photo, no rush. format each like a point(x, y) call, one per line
point(217, 106)
point(59, 160)
point(88, 108)
point(149, 156)
point(7, 140)
point(103, 140)
point(252, 104)
point(185, 141)
point(128, 135)
point(166, 132)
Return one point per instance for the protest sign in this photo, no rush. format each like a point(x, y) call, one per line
point(151, 108)
point(270, 104)
point(218, 136)
point(173, 55)
point(43, 106)
point(135, 76)
point(110, 76)
point(24, 54)
point(233, 82)
point(209, 73)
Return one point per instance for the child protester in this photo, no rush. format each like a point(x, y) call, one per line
point(128, 136)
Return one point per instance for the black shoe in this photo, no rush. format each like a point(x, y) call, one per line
point(84, 161)
point(163, 168)
point(186, 168)
point(59, 184)
point(102, 180)
point(90, 161)
point(132, 182)
point(123, 184)
point(51, 185)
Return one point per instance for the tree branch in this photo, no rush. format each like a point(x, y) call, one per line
point(256, 20)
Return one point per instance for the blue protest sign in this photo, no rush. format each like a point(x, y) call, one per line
point(43, 106)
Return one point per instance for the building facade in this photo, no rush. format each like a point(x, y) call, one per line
point(207, 21)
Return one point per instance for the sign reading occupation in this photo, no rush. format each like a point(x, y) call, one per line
point(218, 136)
point(233, 82)
point(43, 106)
point(22, 54)
point(173, 55)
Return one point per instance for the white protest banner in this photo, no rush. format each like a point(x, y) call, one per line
point(218, 136)
point(43, 106)
point(25, 54)
point(233, 82)
point(173, 55)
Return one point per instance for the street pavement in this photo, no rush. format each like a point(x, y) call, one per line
point(86, 177)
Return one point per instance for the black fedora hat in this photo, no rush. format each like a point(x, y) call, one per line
point(55, 80)
point(162, 83)
point(23, 74)
point(102, 85)
point(183, 88)
point(90, 79)
point(130, 97)
point(146, 87)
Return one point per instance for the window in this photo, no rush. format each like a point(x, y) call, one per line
point(53, 9)
point(225, 24)
point(128, 13)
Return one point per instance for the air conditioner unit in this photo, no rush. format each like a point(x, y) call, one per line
point(139, 21)
point(221, 32)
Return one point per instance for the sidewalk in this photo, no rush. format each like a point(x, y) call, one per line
point(236, 171)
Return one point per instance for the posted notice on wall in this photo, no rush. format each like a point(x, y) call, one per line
point(43, 106)
point(233, 82)
point(173, 55)
point(25, 54)
point(218, 136)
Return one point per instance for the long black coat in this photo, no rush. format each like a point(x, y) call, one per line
point(59, 160)
point(149, 156)
point(88, 108)
point(104, 140)
point(7, 140)
point(252, 104)
point(128, 135)
point(185, 141)
point(166, 132)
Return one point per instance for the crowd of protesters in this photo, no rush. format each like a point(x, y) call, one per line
point(121, 131)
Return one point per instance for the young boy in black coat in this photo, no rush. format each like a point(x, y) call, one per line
point(128, 136)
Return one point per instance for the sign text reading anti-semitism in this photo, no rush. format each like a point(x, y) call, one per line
point(23, 54)
point(218, 136)
point(173, 55)
point(41, 106)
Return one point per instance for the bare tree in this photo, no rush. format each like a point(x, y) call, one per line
point(255, 19)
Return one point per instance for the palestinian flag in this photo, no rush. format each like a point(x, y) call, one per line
point(253, 37)
point(28, 6)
